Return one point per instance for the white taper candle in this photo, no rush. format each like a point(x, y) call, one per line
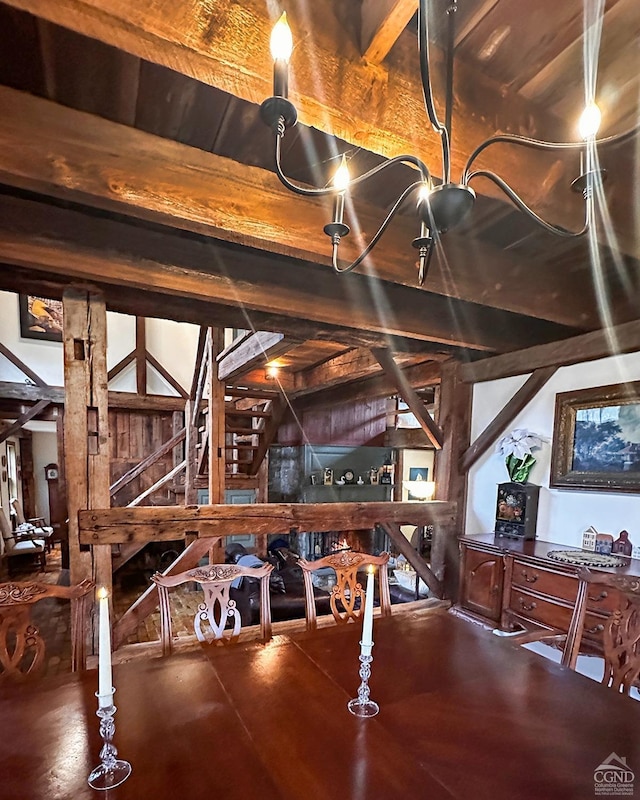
point(105, 680)
point(367, 626)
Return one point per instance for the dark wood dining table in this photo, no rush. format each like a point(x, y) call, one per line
point(463, 714)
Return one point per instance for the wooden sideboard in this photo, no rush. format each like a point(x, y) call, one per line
point(509, 583)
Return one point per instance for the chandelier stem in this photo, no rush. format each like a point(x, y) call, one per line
point(451, 41)
point(425, 74)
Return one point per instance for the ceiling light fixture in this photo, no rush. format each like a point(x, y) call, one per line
point(443, 206)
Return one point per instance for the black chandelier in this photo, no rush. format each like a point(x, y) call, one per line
point(443, 206)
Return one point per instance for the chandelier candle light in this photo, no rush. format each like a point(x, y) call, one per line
point(111, 771)
point(440, 206)
point(361, 705)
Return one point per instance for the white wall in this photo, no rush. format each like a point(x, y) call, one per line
point(563, 513)
point(172, 343)
point(45, 451)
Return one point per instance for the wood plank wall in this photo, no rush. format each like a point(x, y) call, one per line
point(134, 435)
point(357, 423)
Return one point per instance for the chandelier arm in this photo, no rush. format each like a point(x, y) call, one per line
point(425, 74)
point(539, 144)
point(519, 203)
point(376, 237)
point(305, 191)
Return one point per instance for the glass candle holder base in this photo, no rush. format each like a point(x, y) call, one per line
point(103, 777)
point(366, 709)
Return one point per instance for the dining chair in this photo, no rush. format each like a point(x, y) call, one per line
point(36, 524)
point(347, 596)
point(14, 546)
point(218, 608)
point(22, 648)
point(620, 629)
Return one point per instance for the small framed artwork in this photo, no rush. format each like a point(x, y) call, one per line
point(327, 476)
point(596, 439)
point(40, 318)
point(417, 474)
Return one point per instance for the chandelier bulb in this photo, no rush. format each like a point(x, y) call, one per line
point(589, 121)
point(341, 177)
point(281, 43)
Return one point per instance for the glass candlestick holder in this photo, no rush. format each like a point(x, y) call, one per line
point(361, 705)
point(111, 771)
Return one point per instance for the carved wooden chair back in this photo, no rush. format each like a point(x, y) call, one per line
point(22, 648)
point(218, 608)
point(621, 631)
point(347, 590)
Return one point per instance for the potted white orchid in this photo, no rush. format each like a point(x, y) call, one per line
point(516, 448)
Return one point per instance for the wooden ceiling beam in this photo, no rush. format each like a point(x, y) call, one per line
point(66, 242)
point(382, 22)
point(588, 347)
point(253, 351)
point(51, 149)
point(334, 89)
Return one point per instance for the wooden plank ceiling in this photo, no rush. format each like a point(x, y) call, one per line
point(133, 157)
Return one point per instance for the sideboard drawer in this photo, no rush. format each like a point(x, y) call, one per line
point(529, 576)
point(537, 609)
point(603, 600)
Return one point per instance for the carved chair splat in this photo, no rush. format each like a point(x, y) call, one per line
point(621, 635)
point(348, 589)
point(22, 649)
point(218, 607)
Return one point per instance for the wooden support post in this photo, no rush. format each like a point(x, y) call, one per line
point(216, 429)
point(62, 486)
point(454, 419)
point(191, 457)
point(141, 356)
point(86, 425)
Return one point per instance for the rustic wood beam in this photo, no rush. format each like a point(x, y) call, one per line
point(211, 45)
point(141, 356)
point(408, 394)
point(427, 374)
point(623, 338)
point(55, 394)
point(26, 370)
point(168, 523)
point(404, 546)
point(506, 415)
point(55, 150)
point(382, 22)
point(254, 350)
point(86, 430)
point(151, 459)
point(66, 242)
point(121, 365)
point(454, 417)
point(195, 381)
point(216, 428)
point(6, 433)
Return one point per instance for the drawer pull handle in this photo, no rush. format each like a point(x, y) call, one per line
point(529, 578)
point(596, 629)
point(602, 596)
point(527, 606)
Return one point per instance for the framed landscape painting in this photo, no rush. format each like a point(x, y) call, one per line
point(40, 318)
point(596, 439)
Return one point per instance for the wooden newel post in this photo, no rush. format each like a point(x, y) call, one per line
point(86, 426)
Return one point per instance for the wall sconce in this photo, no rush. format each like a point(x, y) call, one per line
point(271, 372)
